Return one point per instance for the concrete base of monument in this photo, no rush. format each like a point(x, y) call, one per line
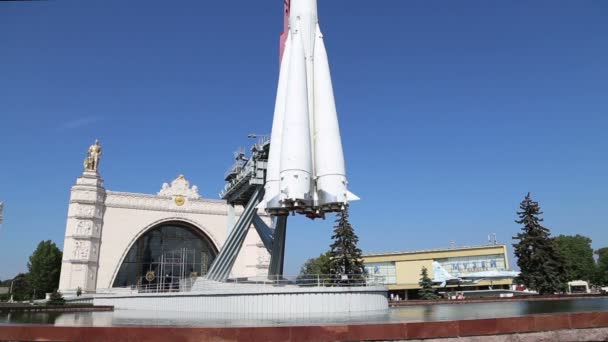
point(251, 299)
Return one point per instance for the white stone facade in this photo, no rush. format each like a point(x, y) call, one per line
point(103, 225)
point(235, 301)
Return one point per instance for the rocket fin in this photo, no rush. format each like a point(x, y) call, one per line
point(351, 197)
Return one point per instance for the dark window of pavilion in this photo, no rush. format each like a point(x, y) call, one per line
point(165, 254)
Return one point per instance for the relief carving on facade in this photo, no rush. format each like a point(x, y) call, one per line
point(154, 202)
point(81, 250)
point(85, 211)
point(87, 196)
point(84, 227)
point(180, 186)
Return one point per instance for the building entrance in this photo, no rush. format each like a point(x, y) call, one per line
point(164, 255)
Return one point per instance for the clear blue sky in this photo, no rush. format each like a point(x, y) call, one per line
point(450, 111)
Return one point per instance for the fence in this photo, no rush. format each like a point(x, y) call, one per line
point(310, 280)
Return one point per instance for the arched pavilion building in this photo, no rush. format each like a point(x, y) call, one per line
point(120, 239)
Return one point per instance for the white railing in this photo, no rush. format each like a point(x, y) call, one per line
point(310, 280)
point(166, 284)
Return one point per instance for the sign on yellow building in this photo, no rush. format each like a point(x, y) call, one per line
point(401, 270)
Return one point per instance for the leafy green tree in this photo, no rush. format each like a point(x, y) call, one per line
point(315, 270)
point(318, 265)
point(602, 252)
point(426, 291)
point(4, 296)
point(44, 268)
point(542, 267)
point(601, 277)
point(344, 254)
point(22, 289)
point(578, 256)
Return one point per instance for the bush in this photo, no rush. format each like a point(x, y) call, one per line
point(56, 299)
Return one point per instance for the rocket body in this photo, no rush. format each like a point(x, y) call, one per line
point(305, 171)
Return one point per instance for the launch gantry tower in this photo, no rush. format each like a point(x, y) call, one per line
point(245, 186)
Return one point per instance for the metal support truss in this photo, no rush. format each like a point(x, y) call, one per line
point(265, 233)
point(245, 186)
point(278, 249)
point(220, 270)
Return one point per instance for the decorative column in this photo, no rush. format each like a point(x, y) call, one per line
point(83, 228)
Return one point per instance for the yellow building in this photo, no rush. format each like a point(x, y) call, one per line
point(400, 271)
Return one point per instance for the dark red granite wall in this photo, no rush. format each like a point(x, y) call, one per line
point(351, 332)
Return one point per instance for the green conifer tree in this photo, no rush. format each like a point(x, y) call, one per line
point(345, 255)
point(542, 267)
point(56, 299)
point(426, 286)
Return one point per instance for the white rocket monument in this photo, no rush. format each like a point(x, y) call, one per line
point(305, 171)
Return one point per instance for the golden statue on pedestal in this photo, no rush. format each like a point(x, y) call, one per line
point(91, 162)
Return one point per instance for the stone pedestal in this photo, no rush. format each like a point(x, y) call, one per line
point(83, 234)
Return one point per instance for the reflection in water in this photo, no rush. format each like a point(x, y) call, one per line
point(437, 312)
point(29, 317)
point(443, 312)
